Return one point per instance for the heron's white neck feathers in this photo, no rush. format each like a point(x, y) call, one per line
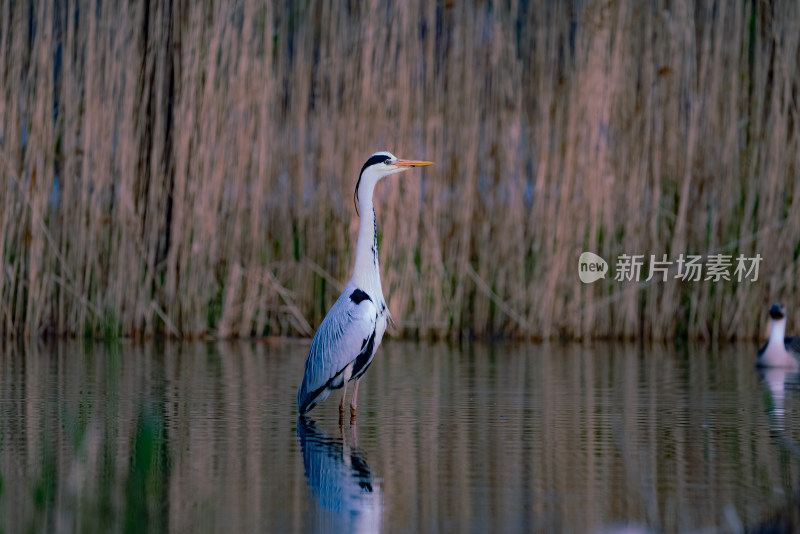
point(777, 332)
point(366, 274)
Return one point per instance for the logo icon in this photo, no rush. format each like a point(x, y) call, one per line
point(591, 267)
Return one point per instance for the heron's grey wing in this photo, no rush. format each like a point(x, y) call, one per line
point(792, 344)
point(338, 341)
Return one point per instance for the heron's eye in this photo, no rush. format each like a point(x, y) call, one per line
point(387, 162)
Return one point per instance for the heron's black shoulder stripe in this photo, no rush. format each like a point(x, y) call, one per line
point(363, 359)
point(359, 296)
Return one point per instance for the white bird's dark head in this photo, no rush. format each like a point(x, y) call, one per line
point(777, 312)
point(379, 166)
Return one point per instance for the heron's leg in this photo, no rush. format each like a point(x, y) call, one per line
point(355, 396)
point(348, 372)
point(341, 402)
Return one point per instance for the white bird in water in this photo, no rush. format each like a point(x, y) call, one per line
point(780, 351)
point(349, 336)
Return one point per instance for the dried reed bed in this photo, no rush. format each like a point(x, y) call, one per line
point(187, 168)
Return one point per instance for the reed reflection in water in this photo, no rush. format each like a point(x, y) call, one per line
point(503, 438)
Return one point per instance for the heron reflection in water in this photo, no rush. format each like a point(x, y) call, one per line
point(778, 381)
point(341, 478)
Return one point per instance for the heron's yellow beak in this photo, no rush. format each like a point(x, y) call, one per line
point(411, 163)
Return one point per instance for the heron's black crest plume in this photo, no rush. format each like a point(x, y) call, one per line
point(776, 311)
point(379, 158)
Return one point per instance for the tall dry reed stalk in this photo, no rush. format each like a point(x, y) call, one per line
point(187, 168)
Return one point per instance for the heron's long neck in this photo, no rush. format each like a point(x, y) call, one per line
point(777, 331)
point(366, 273)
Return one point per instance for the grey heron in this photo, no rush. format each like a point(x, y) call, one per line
point(348, 337)
point(780, 351)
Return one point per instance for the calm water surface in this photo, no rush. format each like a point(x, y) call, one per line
point(481, 438)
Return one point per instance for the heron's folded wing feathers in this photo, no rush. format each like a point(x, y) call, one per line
point(338, 341)
point(792, 344)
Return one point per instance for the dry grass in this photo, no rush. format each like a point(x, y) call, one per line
point(187, 168)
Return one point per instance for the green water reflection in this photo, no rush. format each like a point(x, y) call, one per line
point(501, 438)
